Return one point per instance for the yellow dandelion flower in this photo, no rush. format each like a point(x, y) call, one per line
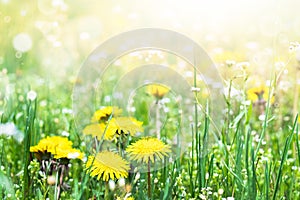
point(94, 130)
point(147, 149)
point(104, 113)
point(221, 57)
point(114, 128)
point(157, 91)
point(121, 125)
point(107, 165)
point(50, 144)
point(260, 93)
point(59, 147)
point(125, 198)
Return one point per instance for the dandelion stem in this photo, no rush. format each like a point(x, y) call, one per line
point(296, 95)
point(106, 195)
point(149, 180)
point(61, 178)
point(157, 122)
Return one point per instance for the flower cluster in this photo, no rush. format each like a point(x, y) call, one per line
point(108, 165)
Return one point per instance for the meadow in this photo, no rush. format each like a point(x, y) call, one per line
point(148, 124)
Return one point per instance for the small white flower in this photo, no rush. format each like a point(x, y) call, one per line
point(137, 176)
point(294, 168)
point(220, 191)
point(73, 155)
point(166, 110)
point(111, 185)
point(195, 89)
point(121, 182)
point(261, 117)
point(207, 176)
point(202, 196)
point(230, 62)
point(243, 65)
point(165, 100)
point(43, 103)
point(67, 111)
point(31, 95)
point(10, 129)
point(107, 98)
point(65, 133)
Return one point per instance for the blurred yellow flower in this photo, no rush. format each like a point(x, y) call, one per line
point(57, 146)
point(157, 91)
point(146, 149)
point(125, 198)
point(260, 93)
point(104, 113)
point(114, 128)
point(222, 56)
point(95, 130)
point(107, 165)
point(122, 125)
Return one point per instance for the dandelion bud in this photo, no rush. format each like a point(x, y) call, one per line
point(51, 180)
point(137, 177)
point(128, 188)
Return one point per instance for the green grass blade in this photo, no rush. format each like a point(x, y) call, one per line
point(283, 159)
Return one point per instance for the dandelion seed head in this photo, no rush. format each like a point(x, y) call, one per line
point(31, 95)
point(22, 42)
